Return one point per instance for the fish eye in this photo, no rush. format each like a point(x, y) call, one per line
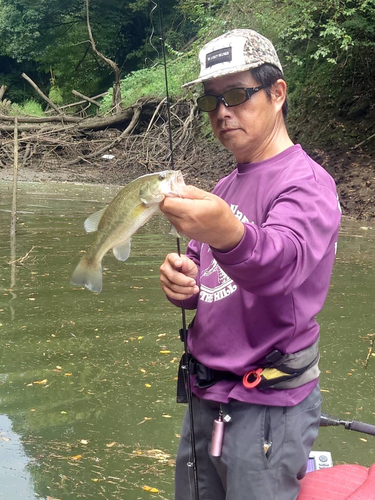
point(162, 176)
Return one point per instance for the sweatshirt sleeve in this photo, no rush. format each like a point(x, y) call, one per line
point(301, 226)
point(193, 252)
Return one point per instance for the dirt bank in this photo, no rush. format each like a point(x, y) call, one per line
point(352, 170)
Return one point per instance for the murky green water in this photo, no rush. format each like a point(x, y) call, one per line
point(87, 382)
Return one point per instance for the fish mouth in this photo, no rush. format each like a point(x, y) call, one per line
point(177, 182)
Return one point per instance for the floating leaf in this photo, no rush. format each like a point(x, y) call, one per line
point(167, 416)
point(165, 352)
point(68, 374)
point(76, 457)
point(84, 441)
point(148, 385)
point(150, 489)
point(42, 382)
point(363, 439)
point(109, 445)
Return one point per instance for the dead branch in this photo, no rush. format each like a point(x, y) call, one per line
point(363, 142)
point(35, 86)
point(370, 351)
point(138, 138)
point(43, 119)
point(116, 97)
point(127, 131)
point(77, 103)
point(155, 113)
point(89, 99)
point(22, 259)
point(3, 89)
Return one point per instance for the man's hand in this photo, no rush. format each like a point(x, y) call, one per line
point(177, 277)
point(204, 217)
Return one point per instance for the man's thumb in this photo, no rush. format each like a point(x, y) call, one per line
point(193, 193)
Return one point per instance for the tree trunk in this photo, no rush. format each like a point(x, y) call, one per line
point(116, 98)
point(2, 91)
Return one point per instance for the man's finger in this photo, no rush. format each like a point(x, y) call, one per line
point(194, 193)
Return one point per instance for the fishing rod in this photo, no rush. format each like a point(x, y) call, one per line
point(185, 365)
point(327, 420)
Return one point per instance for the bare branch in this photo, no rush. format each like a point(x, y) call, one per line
point(116, 98)
point(35, 86)
point(89, 99)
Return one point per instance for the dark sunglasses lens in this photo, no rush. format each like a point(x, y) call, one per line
point(233, 97)
point(207, 102)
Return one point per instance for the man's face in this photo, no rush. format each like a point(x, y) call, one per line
point(248, 128)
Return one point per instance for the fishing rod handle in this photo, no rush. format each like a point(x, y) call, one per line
point(361, 427)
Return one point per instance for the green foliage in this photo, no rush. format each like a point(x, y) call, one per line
point(55, 95)
point(151, 82)
point(29, 108)
point(326, 47)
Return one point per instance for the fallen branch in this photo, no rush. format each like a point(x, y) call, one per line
point(41, 119)
point(370, 351)
point(127, 131)
point(35, 86)
point(363, 142)
point(89, 99)
point(22, 259)
point(78, 103)
point(154, 115)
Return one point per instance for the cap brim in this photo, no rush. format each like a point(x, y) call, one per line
point(223, 72)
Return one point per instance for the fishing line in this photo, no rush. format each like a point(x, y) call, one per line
point(166, 90)
point(153, 31)
point(185, 365)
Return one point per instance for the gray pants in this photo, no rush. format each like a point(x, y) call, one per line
point(244, 471)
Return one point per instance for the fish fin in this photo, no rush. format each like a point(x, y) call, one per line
point(91, 224)
point(88, 275)
point(122, 252)
point(173, 231)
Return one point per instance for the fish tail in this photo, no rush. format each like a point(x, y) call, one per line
point(88, 274)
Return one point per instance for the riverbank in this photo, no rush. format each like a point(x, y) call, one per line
point(353, 171)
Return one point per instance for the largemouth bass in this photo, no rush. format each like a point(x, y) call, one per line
point(133, 206)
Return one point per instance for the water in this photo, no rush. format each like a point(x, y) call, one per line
point(87, 382)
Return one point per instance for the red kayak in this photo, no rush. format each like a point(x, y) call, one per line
point(341, 482)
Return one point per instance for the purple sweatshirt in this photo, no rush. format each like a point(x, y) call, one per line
point(264, 294)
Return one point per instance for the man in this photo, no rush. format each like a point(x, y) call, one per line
point(257, 271)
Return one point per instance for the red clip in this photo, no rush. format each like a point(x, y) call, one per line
point(255, 376)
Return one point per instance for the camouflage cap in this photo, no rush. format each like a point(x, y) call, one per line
point(233, 52)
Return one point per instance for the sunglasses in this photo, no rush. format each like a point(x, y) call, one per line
point(230, 98)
